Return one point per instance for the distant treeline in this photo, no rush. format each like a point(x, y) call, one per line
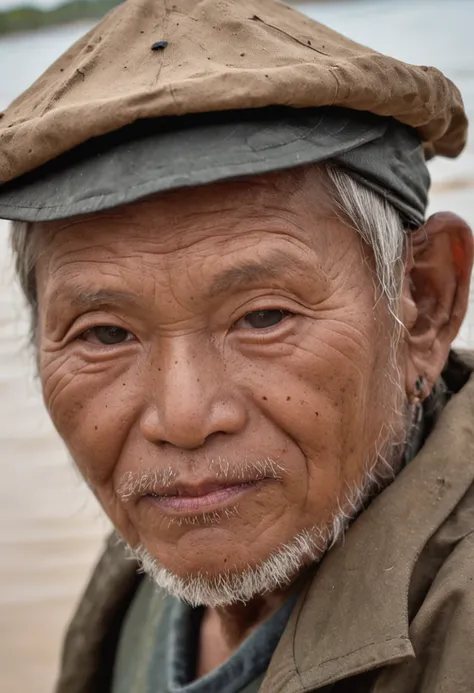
point(27, 18)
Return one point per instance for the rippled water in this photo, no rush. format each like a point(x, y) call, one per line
point(50, 527)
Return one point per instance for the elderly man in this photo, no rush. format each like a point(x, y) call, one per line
point(243, 323)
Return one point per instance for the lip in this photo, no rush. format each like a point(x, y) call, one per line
point(193, 500)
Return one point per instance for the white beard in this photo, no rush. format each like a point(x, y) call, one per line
point(227, 587)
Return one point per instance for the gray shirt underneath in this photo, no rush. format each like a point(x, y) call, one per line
point(158, 646)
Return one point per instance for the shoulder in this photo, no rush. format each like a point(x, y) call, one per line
point(450, 598)
point(441, 609)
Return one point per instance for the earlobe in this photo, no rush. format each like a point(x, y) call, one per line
point(436, 295)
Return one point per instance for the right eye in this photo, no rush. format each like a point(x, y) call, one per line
point(106, 335)
point(262, 319)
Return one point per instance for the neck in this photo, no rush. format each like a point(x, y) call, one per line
point(224, 629)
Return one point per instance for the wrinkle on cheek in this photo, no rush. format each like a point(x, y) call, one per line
point(94, 407)
point(56, 384)
point(350, 337)
point(326, 386)
point(326, 368)
point(118, 514)
point(346, 361)
point(64, 376)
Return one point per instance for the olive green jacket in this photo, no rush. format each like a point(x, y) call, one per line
point(390, 610)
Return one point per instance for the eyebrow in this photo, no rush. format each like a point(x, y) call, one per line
point(81, 297)
point(274, 266)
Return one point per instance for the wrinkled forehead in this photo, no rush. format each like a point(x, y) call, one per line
point(291, 202)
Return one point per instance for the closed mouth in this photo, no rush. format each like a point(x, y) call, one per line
point(186, 499)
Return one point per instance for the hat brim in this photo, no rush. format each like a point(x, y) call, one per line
point(159, 155)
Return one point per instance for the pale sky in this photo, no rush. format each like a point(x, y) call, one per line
point(8, 4)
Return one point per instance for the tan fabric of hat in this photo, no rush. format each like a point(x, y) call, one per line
point(220, 55)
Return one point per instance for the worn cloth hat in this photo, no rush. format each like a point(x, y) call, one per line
point(150, 59)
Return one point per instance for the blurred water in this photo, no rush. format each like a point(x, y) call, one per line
point(50, 527)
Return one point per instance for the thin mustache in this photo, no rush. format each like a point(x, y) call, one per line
point(221, 469)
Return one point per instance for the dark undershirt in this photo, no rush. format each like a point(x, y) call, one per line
point(246, 664)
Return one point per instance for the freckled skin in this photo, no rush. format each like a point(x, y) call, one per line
point(194, 381)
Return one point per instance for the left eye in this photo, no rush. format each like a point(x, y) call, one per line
point(262, 319)
point(106, 334)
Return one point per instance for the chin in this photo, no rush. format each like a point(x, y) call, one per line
point(223, 581)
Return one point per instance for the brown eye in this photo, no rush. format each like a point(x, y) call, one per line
point(107, 335)
point(263, 319)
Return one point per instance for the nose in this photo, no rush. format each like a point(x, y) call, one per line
point(192, 399)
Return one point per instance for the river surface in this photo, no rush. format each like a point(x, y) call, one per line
point(50, 527)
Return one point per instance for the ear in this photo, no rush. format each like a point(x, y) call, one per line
point(435, 296)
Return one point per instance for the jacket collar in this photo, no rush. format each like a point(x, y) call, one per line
point(353, 617)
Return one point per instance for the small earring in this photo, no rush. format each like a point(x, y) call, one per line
point(419, 385)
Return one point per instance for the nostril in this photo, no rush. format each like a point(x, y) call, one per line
point(216, 434)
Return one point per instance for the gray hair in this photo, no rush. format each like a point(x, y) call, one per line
point(376, 221)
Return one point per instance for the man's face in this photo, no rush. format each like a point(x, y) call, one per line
point(216, 366)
